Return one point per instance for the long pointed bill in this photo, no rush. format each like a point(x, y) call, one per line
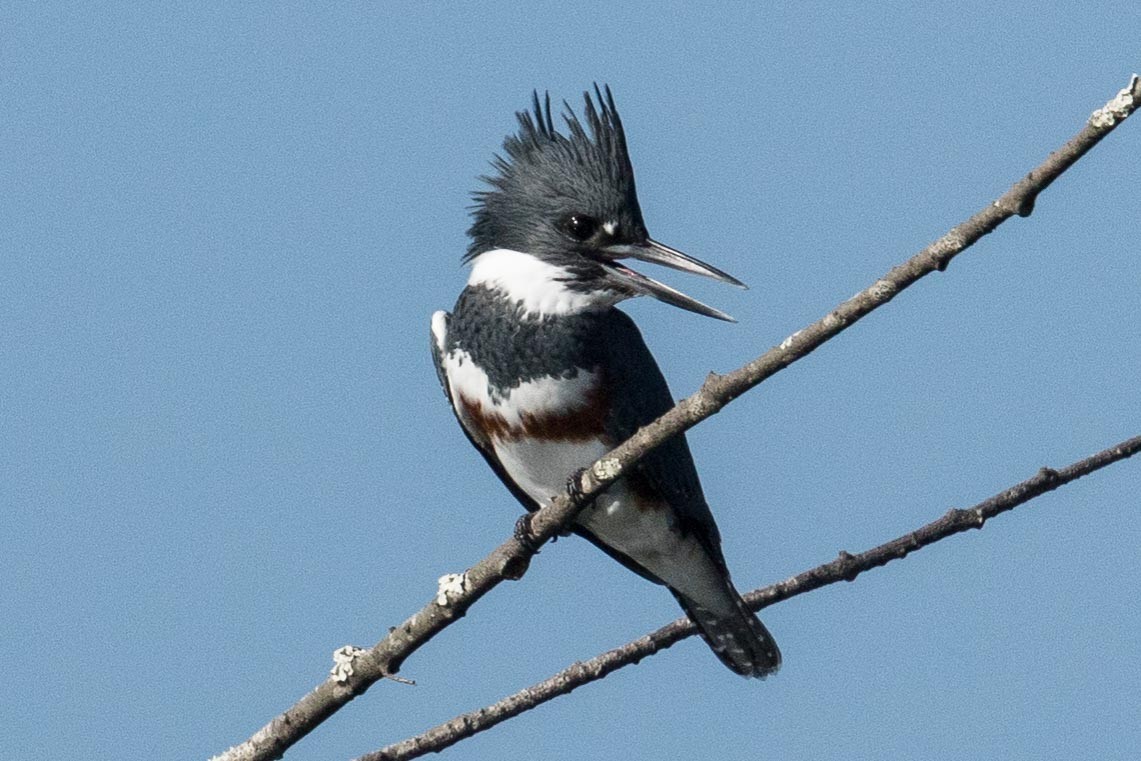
point(659, 253)
point(639, 283)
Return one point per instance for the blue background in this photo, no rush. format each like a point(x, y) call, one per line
point(223, 452)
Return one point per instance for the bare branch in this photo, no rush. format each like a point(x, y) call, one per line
point(844, 568)
point(509, 560)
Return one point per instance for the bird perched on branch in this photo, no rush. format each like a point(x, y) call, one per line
point(545, 375)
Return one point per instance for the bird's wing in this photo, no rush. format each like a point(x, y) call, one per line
point(477, 438)
point(639, 395)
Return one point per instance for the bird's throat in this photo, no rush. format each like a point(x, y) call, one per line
point(540, 288)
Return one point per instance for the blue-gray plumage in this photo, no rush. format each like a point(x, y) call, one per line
point(545, 375)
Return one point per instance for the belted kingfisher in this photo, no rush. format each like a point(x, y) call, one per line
point(545, 375)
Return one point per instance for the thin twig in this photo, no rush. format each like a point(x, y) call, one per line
point(844, 568)
point(509, 560)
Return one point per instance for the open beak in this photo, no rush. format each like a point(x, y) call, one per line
point(657, 253)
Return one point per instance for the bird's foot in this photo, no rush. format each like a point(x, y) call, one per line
point(524, 535)
point(574, 491)
point(574, 485)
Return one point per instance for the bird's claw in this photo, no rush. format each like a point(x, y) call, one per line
point(574, 485)
point(574, 491)
point(524, 535)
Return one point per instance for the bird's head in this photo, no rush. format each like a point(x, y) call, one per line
point(569, 201)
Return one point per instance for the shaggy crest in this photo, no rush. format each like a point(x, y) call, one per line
point(544, 172)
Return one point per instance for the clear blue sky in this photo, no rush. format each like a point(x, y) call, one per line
point(224, 454)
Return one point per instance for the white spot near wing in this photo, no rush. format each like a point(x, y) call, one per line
point(540, 287)
point(440, 329)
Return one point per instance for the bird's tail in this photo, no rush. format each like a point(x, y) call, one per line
point(735, 634)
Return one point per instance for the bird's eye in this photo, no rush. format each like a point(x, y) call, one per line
point(580, 226)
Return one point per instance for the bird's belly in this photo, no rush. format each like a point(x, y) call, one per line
point(541, 467)
point(643, 531)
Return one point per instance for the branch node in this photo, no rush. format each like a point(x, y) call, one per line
point(786, 344)
point(344, 659)
point(1049, 475)
point(970, 518)
point(450, 585)
point(849, 568)
point(400, 680)
point(947, 248)
point(1119, 107)
point(704, 405)
point(606, 470)
point(883, 290)
point(514, 567)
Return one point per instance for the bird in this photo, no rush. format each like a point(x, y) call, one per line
point(545, 374)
